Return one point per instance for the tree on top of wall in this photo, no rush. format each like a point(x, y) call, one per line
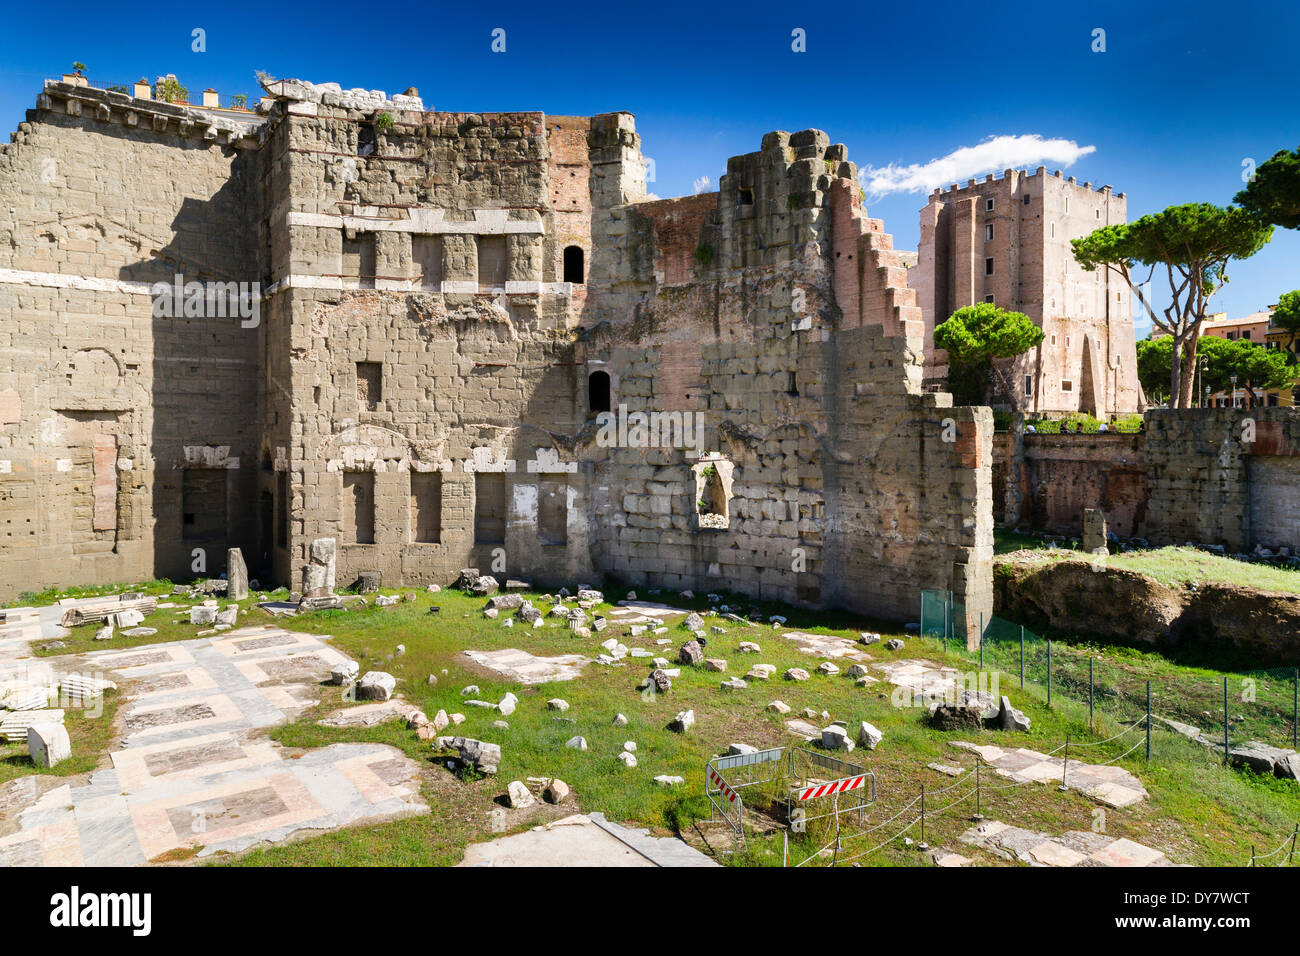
point(1286, 316)
point(1193, 244)
point(1273, 193)
point(1258, 368)
point(974, 337)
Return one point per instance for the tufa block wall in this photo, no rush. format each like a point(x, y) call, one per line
point(108, 406)
point(419, 385)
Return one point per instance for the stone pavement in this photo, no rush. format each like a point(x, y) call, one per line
point(194, 768)
point(928, 681)
point(584, 840)
point(1075, 848)
point(643, 612)
point(526, 668)
point(827, 646)
point(1109, 784)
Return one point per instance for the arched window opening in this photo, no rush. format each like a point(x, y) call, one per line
point(573, 264)
point(598, 391)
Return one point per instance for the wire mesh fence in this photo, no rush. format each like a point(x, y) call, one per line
point(1226, 712)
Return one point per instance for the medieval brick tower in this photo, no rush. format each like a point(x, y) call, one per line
point(1007, 241)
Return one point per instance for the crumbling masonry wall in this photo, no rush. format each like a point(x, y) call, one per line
point(436, 292)
point(1224, 476)
point(104, 407)
point(849, 487)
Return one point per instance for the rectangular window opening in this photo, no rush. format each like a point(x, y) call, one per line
point(426, 251)
point(491, 263)
point(426, 507)
point(359, 507)
point(203, 504)
point(370, 385)
point(489, 508)
point(553, 511)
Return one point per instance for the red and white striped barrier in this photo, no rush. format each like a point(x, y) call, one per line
point(716, 779)
point(828, 789)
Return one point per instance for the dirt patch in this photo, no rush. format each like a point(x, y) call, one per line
point(1081, 597)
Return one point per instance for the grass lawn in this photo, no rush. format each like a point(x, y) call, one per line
point(1199, 812)
point(1171, 566)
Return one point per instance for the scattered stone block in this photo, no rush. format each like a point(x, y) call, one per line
point(796, 674)
point(557, 791)
point(376, 685)
point(946, 769)
point(1011, 719)
point(836, 737)
point(48, 743)
point(482, 756)
point(345, 673)
point(485, 585)
point(518, 796)
point(869, 735)
point(683, 721)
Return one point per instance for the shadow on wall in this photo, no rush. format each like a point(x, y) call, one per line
point(206, 327)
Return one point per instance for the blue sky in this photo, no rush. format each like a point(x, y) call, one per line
point(1183, 94)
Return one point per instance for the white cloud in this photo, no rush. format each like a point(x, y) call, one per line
point(993, 155)
point(702, 185)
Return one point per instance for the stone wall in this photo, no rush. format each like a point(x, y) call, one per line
point(104, 408)
point(419, 385)
point(1224, 476)
point(1227, 477)
point(1044, 482)
point(848, 486)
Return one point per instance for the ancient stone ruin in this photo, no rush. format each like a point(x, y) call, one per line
point(463, 339)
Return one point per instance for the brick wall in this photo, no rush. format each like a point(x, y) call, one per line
point(1044, 482)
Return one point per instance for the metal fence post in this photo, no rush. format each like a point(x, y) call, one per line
point(922, 843)
point(981, 640)
point(952, 618)
point(1049, 672)
point(1090, 728)
point(1065, 766)
point(1295, 710)
point(1225, 720)
point(979, 815)
point(947, 618)
point(1022, 657)
point(1148, 721)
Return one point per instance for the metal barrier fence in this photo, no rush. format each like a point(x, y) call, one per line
point(814, 777)
point(1223, 711)
point(811, 787)
point(726, 777)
